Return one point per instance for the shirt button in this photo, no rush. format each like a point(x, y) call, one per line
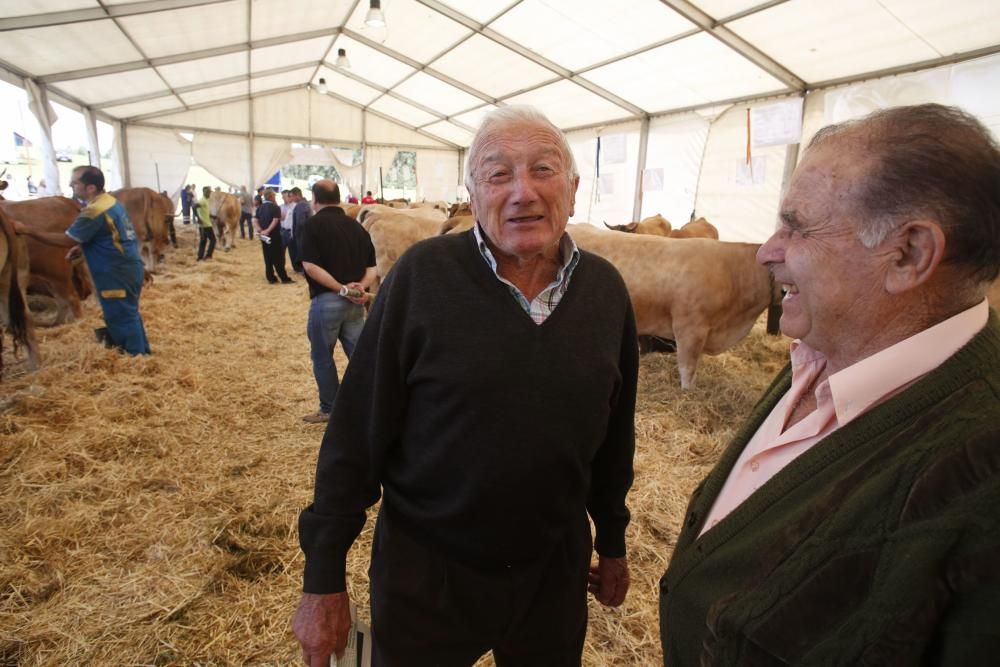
point(754, 466)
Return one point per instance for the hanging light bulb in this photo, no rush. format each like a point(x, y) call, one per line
point(342, 61)
point(375, 18)
point(322, 86)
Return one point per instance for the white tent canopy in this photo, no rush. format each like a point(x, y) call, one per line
point(662, 85)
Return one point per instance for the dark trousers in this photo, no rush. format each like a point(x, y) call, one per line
point(293, 249)
point(186, 211)
point(274, 258)
point(207, 235)
point(430, 610)
point(246, 218)
point(172, 232)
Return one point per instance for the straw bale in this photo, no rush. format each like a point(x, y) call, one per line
point(149, 505)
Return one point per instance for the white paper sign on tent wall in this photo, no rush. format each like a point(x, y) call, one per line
point(754, 173)
point(606, 184)
point(652, 180)
point(777, 124)
point(613, 149)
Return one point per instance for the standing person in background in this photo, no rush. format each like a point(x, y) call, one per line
point(267, 223)
point(368, 199)
point(303, 211)
point(287, 226)
point(337, 255)
point(855, 518)
point(108, 241)
point(246, 213)
point(205, 228)
point(467, 408)
point(187, 195)
point(171, 230)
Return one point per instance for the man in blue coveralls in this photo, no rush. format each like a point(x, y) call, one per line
point(108, 241)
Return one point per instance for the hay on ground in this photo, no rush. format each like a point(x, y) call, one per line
point(149, 505)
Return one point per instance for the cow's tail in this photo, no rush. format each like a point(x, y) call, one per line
point(773, 308)
point(19, 319)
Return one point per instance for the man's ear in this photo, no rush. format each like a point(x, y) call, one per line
point(917, 250)
point(572, 202)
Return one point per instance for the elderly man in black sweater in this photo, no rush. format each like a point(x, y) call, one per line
point(490, 401)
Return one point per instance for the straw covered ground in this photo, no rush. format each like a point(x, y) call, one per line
point(148, 506)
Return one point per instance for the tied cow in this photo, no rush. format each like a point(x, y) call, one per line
point(703, 294)
point(147, 211)
point(14, 315)
point(224, 209)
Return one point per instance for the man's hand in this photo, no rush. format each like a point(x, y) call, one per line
point(321, 625)
point(361, 300)
point(608, 580)
point(74, 253)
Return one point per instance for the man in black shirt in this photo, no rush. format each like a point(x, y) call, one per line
point(339, 262)
point(267, 222)
point(490, 402)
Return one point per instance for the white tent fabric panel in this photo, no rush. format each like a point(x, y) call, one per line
point(115, 178)
point(346, 87)
point(426, 33)
point(224, 156)
point(436, 94)
point(291, 53)
point(100, 43)
point(380, 69)
point(142, 108)
point(719, 9)
point(969, 80)
point(450, 132)
point(201, 70)
point(157, 159)
point(377, 158)
point(259, 84)
point(610, 197)
point(480, 10)
point(381, 131)
point(271, 18)
point(821, 40)
point(111, 87)
point(286, 113)
point(45, 6)
point(574, 37)
point(234, 117)
point(93, 145)
point(268, 157)
point(215, 93)
point(38, 103)
point(673, 164)
point(688, 72)
point(407, 113)
point(477, 60)
point(740, 202)
point(190, 29)
point(475, 117)
point(568, 104)
point(332, 119)
point(967, 25)
point(437, 175)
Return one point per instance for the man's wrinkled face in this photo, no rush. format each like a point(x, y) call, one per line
point(522, 192)
point(835, 285)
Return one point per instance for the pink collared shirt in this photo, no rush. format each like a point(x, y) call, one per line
point(843, 396)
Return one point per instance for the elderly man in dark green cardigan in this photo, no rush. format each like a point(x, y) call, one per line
point(855, 518)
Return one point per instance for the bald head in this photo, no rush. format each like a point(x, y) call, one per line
point(325, 192)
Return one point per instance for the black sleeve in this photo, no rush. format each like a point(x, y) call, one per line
point(612, 471)
point(363, 429)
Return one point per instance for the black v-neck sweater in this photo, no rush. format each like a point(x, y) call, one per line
point(489, 436)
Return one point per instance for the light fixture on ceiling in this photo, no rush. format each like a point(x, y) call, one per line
point(322, 86)
point(375, 18)
point(342, 61)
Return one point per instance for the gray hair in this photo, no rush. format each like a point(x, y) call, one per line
point(509, 115)
point(927, 161)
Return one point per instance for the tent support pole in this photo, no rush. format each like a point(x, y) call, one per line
point(640, 168)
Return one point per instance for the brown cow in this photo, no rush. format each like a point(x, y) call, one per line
point(457, 224)
point(393, 232)
point(351, 210)
point(145, 211)
point(703, 294)
point(14, 315)
point(366, 211)
point(460, 208)
point(224, 209)
point(696, 229)
point(654, 225)
point(66, 282)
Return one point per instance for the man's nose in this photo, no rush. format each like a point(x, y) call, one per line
point(773, 250)
point(523, 188)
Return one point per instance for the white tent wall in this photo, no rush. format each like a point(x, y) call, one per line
point(157, 159)
point(381, 131)
point(225, 156)
point(376, 158)
point(609, 199)
point(115, 178)
point(269, 155)
point(93, 145)
point(437, 175)
point(673, 163)
point(332, 119)
point(741, 205)
point(231, 117)
point(38, 103)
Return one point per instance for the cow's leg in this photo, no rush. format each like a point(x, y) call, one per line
point(690, 344)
